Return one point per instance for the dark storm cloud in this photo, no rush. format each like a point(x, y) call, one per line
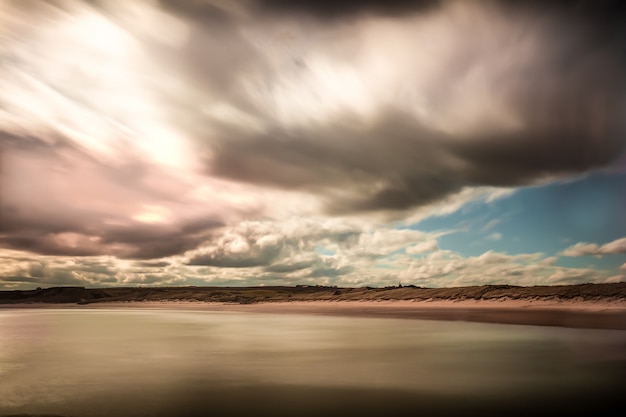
point(310, 270)
point(204, 12)
point(257, 256)
point(330, 272)
point(151, 264)
point(397, 164)
point(406, 161)
point(154, 241)
point(569, 98)
point(20, 279)
point(607, 11)
point(316, 268)
point(60, 271)
point(55, 277)
point(289, 267)
point(132, 242)
point(369, 106)
point(328, 9)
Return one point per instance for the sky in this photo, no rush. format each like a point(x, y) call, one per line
point(349, 143)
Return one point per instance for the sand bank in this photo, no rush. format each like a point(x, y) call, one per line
point(600, 314)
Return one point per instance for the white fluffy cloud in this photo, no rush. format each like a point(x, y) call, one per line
point(241, 257)
point(446, 268)
point(581, 249)
point(616, 278)
point(424, 247)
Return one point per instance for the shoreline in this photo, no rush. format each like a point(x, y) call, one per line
point(598, 314)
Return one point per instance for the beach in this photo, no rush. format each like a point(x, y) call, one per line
point(594, 306)
point(599, 314)
point(302, 358)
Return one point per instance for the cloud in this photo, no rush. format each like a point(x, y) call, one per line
point(424, 247)
point(616, 278)
point(494, 236)
point(237, 252)
point(22, 268)
point(314, 251)
point(347, 8)
point(490, 225)
point(193, 151)
point(581, 249)
point(153, 264)
point(298, 244)
point(58, 200)
point(338, 108)
point(392, 140)
point(447, 269)
point(345, 266)
point(260, 243)
point(616, 246)
point(454, 202)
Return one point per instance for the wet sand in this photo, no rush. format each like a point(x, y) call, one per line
point(155, 364)
point(601, 314)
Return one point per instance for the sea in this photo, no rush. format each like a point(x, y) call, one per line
point(173, 362)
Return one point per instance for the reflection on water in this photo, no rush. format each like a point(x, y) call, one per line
point(167, 363)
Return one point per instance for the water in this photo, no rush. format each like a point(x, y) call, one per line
point(171, 362)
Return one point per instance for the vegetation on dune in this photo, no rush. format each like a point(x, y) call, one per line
point(246, 295)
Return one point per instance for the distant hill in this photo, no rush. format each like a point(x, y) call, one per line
point(248, 295)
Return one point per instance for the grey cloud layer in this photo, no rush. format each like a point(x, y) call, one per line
point(366, 106)
point(530, 96)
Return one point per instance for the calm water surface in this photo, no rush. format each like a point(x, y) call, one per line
point(170, 362)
